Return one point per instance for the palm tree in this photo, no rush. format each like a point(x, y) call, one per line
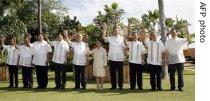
point(162, 20)
point(113, 16)
point(169, 22)
point(9, 4)
point(162, 31)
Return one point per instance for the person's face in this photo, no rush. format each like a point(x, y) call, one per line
point(135, 36)
point(65, 33)
point(173, 33)
point(60, 37)
point(153, 37)
point(2, 39)
point(98, 43)
point(26, 40)
point(12, 42)
point(79, 37)
point(40, 37)
point(115, 31)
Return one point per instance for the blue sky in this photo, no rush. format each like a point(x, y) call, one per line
point(86, 10)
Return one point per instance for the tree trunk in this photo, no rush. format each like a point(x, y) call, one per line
point(39, 16)
point(162, 21)
point(163, 33)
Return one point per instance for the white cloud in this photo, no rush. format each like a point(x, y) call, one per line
point(86, 10)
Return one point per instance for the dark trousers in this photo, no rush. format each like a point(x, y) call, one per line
point(155, 76)
point(172, 69)
point(60, 75)
point(80, 77)
point(116, 70)
point(27, 74)
point(13, 75)
point(135, 75)
point(42, 76)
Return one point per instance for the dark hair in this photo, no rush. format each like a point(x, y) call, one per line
point(101, 41)
point(40, 34)
point(115, 27)
point(174, 29)
point(13, 38)
point(134, 33)
point(27, 35)
point(59, 34)
point(152, 32)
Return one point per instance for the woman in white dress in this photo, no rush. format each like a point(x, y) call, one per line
point(99, 63)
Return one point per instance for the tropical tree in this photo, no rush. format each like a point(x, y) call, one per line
point(181, 26)
point(53, 13)
point(72, 25)
point(169, 22)
point(94, 34)
point(9, 5)
point(112, 17)
point(150, 20)
point(113, 13)
point(136, 24)
point(11, 26)
point(153, 17)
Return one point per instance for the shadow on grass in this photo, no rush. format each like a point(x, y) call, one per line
point(78, 91)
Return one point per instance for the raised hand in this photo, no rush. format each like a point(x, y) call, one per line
point(186, 30)
point(188, 34)
point(104, 26)
point(65, 33)
point(73, 37)
point(2, 38)
point(46, 36)
point(104, 30)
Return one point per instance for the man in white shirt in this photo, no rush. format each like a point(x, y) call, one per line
point(115, 56)
point(12, 61)
point(41, 50)
point(136, 60)
point(155, 56)
point(80, 59)
point(59, 59)
point(174, 48)
point(25, 60)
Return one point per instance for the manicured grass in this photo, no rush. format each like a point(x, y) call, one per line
point(49, 94)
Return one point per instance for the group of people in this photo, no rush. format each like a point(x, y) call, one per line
point(37, 55)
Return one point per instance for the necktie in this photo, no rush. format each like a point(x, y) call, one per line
point(157, 51)
point(132, 51)
point(152, 51)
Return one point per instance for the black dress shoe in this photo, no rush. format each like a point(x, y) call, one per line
point(160, 89)
point(84, 88)
point(132, 88)
point(10, 87)
point(43, 87)
point(57, 87)
point(63, 87)
point(24, 87)
point(180, 89)
point(113, 88)
point(29, 87)
point(38, 87)
point(172, 89)
point(153, 89)
point(120, 88)
point(140, 88)
point(75, 88)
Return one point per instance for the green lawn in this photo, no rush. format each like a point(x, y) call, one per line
point(91, 94)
